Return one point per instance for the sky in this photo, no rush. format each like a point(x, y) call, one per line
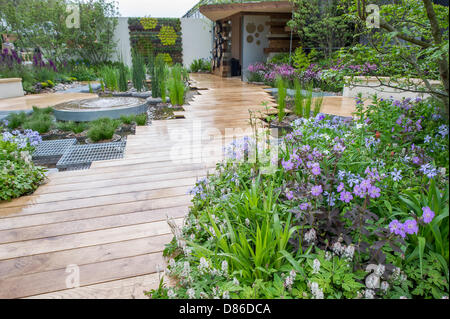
point(155, 8)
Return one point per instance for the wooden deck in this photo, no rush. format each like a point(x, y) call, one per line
point(110, 220)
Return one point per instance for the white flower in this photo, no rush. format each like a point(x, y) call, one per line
point(204, 265)
point(384, 286)
point(225, 267)
point(172, 263)
point(337, 248)
point(349, 252)
point(316, 266)
point(171, 294)
point(247, 222)
point(226, 295)
point(235, 282)
point(191, 293)
point(186, 270)
point(369, 294)
point(310, 236)
point(316, 291)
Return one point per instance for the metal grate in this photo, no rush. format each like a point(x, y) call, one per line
point(82, 156)
point(49, 152)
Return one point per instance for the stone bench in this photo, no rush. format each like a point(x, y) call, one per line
point(11, 87)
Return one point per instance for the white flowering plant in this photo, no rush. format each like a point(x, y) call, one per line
point(18, 174)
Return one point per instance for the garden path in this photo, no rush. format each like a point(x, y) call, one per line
point(108, 223)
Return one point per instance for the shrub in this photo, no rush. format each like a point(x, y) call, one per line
point(40, 122)
point(16, 120)
point(74, 127)
point(18, 176)
point(128, 119)
point(280, 58)
point(200, 65)
point(141, 119)
point(102, 129)
point(176, 86)
point(123, 78)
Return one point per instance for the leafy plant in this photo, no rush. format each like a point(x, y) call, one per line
point(102, 129)
point(282, 94)
point(176, 86)
point(141, 119)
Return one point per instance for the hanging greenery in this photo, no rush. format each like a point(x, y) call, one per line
point(149, 23)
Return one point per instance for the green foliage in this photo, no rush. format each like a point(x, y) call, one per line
point(18, 176)
point(322, 25)
point(93, 39)
point(138, 72)
point(176, 85)
point(282, 94)
point(200, 65)
point(110, 78)
point(83, 73)
point(281, 58)
point(41, 123)
point(300, 59)
point(298, 99)
point(16, 120)
point(159, 77)
point(75, 127)
point(141, 119)
point(102, 129)
point(123, 78)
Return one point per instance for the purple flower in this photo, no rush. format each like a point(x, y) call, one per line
point(374, 192)
point(346, 197)
point(341, 187)
point(428, 215)
point(358, 191)
point(416, 160)
point(365, 185)
point(305, 206)
point(287, 165)
point(427, 139)
point(396, 175)
point(397, 228)
point(317, 190)
point(290, 195)
point(411, 227)
point(316, 169)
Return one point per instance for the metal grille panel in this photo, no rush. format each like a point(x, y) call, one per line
point(82, 156)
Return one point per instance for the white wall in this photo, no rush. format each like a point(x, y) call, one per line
point(197, 39)
point(122, 37)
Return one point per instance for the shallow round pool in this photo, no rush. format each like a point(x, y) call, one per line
point(92, 109)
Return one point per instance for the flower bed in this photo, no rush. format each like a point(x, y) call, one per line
point(356, 209)
point(18, 175)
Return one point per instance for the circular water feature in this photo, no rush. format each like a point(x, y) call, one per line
point(91, 109)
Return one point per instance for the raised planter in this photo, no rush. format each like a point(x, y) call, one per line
point(11, 87)
point(368, 86)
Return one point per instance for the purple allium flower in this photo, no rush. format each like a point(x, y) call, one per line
point(374, 192)
point(305, 206)
point(428, 215)
point(341, 187)
point(317, 190)
point(411, 227)
point(346, 197)
point(287, 165)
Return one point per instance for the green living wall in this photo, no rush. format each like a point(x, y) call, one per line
point(157, 35)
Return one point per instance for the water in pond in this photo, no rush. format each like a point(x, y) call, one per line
point(101, 103)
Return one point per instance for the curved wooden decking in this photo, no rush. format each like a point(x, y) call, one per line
point(109, 222)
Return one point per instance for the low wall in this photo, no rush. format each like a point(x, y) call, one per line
point(11, 88)
point(368, 86)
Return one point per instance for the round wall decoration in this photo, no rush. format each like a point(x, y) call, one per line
point(251, 28)
point(260, 28)
point(250, 39)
